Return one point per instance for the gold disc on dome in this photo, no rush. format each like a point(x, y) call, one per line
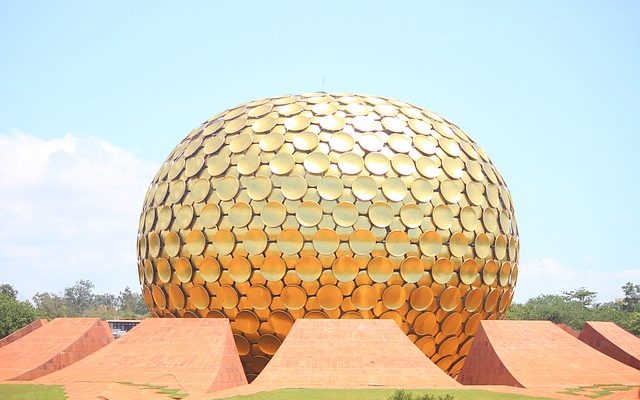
point(450, 298)
point(184, 217)
point(248, 164)
point(263, 124)
point(430, 243)
point(240, 214)
point(309, 213)
point(282, 163)
point(394, 297)
point(442, 216)
point(273, 214)
point(473, 300)
point(341, 142)
point(475, 193)
point(422, 190)
point(411, 215)
point(259, 187)
point(403, 164)
point(269, 344)
point(332, 122)
point(381, 214)
point(290, 241)
point(450, 191)
point(394, 189)
point(451, 324)
point(195, 242)
point(330, 187)
point(259, 297)
point(280, 321)
point(397, 243)
point(293, 297)
point(240, 143)
point(200, 190)
point(505, 272)
point(411, 269)
point(500, 247)
point(345, 214)
point(362, 241)
point(345, 269)
point(223, 242)
point(297, 123)
point(427, 167)
point(228, 296)
point(200, 297)
point(247, 321)
point(364, 297)
point(239, 269)
point(158, 297)
point(163, 269)
point(316, 162)
point(380, 269)
point(458, 244)
point(489, 272)
point(442, 270)
point(209, 269)
point(490, 219)
point(329, 297)
point(293, 187)
point(308, 268)
point(255, 241)
point(468, 218)
point(172, 243)
point(272, 141)
point(469, 271)
point(176, 296)
point(424, 323)
point(377, 163)
point(273, 268)
point(227, 188)
point(306, 141)
point(364, 188)
point(350, 163)
point(421, 298)
point(210, 215)
point(483, 245)
point(326, 241)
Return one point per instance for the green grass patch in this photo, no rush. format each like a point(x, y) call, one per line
point(32, 392)
point(599, 390)
point(159, 389)
point(381, 394)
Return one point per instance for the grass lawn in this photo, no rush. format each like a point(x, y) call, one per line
point(31, 392)
point(376, 394)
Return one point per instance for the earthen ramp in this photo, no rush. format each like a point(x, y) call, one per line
point(53, 346)
point(349, 353)
point(24, 331)
point(193, 355)
point(612, 340)
point(535, 354)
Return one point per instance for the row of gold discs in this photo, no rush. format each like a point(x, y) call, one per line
point(406, 303)
point(330, 206)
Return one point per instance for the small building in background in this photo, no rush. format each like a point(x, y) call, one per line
point(121, 326)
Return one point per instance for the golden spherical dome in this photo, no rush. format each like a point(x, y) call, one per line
point(330, 206)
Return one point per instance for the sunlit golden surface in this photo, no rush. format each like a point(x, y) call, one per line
point(330, 206)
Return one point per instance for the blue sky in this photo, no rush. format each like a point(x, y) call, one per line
point(93, 96)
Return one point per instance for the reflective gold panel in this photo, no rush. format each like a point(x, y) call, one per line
point(330, 206)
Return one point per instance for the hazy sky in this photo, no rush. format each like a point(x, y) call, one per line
point(93, 96)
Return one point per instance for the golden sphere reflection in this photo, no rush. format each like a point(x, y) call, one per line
point(330, 206)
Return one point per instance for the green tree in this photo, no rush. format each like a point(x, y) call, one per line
point(582, 296)
point(130, 304)
point(80, 297)
point(631, 300)
point(8, 290)
point(50, 305)
point(14, 314)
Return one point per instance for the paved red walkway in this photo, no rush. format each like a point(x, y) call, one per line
point(24, 331)
point(350, 353)
point(193, 355)
point(54, 346)
point(613, 341)
point(538, 354)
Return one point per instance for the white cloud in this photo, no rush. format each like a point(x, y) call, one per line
point(548, 276)
point(69, 210)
